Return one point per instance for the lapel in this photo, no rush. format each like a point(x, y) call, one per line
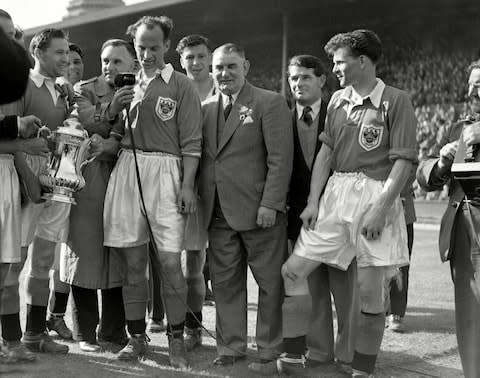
point(212, 117)
point(244, 99)
point(322, 114)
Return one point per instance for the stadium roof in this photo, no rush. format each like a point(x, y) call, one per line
point(106, 14)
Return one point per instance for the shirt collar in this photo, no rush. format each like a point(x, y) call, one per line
point(351, 96)
point(39, 79)
point(225, 98)
point(165, 73)
point(315, 108)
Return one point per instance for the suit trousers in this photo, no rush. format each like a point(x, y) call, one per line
point(399, 296)
point(85, 314)
point(230, 253)
point(465, 267)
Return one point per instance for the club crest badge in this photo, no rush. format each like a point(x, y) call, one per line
point(370, 137)
point(165, 108)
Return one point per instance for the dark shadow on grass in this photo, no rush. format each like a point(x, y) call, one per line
point(389, 364)
point(398, 364)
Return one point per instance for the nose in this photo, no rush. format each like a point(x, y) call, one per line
point(224, 72)
point(147, 54)
point(472, 90)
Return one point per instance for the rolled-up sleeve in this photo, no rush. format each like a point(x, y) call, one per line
point(403, 129)
point(326, 136)
point(189, 120)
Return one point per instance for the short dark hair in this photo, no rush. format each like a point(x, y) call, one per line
point(5, 14)
point(231, 48)
point(42, 39)
point(165, 23)
point(473, 66)
point(76, 48)
point(308, 61)
point(360, 42)
point(116, 42)
point(193, 40)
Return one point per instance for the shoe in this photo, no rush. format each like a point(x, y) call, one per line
point(16, 351)
point(30, 188)
point(89, 347)
point(209, 299)
point(361, 374)
point(283, 366)
point(58, 325)
point(155, 326)
point(136, 348)
point(43, 343)
point(225, 360)
point(344, 367)
point(119, 339)
point(396, 324)
point(177, 353)
point(193, 338)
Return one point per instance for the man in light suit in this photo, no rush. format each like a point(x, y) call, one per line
point(244, 174)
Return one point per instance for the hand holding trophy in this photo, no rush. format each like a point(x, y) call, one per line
point(69, 153)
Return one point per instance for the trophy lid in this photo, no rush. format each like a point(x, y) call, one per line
point(72, 126)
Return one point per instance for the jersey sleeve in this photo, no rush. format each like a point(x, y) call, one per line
point(189, 120)
point(403, 126)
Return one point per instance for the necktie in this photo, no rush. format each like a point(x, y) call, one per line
point(306, 116)
point(228, 108)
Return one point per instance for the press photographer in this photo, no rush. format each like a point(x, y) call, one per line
point(459, 241)
point(87, 264)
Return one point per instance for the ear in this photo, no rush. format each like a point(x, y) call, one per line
point(167, 45)
point(246, 66)
point(37, 53)
point(321, 81)
point(181, 62)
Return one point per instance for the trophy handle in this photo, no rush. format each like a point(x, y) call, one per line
point(82, 154)
point(44, 132)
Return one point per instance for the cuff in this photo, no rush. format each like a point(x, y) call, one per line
point(9, 127)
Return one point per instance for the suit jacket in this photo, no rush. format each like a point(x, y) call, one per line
point(301, 174)
point(251, 164)
point(429, 179)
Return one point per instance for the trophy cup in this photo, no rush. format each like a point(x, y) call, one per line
point(466, 166)
point(63, 176)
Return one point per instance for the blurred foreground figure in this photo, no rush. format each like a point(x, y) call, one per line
point(460, 227)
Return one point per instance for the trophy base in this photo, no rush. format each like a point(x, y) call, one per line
point(60, 196)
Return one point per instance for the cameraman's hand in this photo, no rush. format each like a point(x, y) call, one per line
point(122, 98)
point(471, 134)
point(28, 126)
point(447, 154)
point(34, 146)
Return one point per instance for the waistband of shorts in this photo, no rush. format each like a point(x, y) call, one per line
point(6, 157)
point(359, 175)
point(148, 153)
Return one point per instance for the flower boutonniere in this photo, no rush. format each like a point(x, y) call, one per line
point(245, 114)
